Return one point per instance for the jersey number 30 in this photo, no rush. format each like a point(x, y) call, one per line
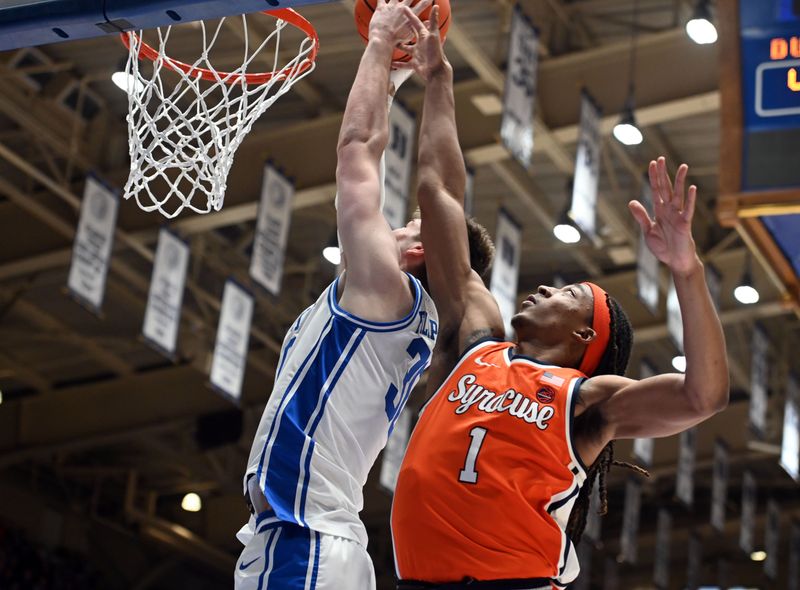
point(468, 474)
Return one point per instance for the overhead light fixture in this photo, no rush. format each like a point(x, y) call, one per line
point(191, 502)
point(124, 80)
point(331, 252)
point(758, 555)
point(679, 363)
point(565, 230)
point(746, 293)
point(627, 131)
point(701, 27)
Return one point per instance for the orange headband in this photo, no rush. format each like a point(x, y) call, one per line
point(601, 324)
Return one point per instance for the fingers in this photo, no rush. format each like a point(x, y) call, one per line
point(680, 184)
point(691, 200)
point(414, 22)
point(422, 6)
point(640, 215)
point(664, 182)
point(433, 21)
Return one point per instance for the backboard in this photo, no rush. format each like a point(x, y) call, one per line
point(27, 23)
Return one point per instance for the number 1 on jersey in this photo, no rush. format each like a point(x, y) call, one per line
point(468, 474)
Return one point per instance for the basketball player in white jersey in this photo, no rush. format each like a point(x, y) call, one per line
point(347, 366)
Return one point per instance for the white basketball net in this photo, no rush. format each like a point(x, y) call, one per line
point(184, 131)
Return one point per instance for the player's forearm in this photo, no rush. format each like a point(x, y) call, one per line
point(441, 163)
point(706, 381)
point(365, 118)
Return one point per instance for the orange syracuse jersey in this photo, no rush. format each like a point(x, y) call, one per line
point(490, 474)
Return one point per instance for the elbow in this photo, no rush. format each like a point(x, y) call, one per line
point(710, 400)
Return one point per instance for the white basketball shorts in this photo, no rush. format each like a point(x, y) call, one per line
point(280, 555)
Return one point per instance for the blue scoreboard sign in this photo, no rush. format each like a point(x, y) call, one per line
point(770, 58)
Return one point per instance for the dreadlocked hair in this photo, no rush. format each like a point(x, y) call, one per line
point(614, 362)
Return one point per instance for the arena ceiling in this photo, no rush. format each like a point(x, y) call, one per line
point(102, 434)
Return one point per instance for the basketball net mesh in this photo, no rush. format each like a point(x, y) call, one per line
point(184, 130)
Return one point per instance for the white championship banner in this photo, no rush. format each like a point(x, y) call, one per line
point(91, 251)
point(399, 158)
point(630, 522)
point(714, 282)
point(272, 230)
point(516, 128)
point(469, 193)
point(674, 318)
point(719, 485)
point(162, 317)
point(790, 443)
point(395, 450)
point(759, 377)
point(684, 486)
point(643, 447)
point(583, 209)
point(663, 537)
point(749, 500)
point(647, 267)
point(772, 539)
point(505, 270)
point(233, 336)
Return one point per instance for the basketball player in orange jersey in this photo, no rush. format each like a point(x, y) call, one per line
point(486, 496)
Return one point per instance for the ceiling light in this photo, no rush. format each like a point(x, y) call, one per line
point(745, 292)
point(191, 502)
point(758, 555)
point(126, 81)
point(567, 233)
point(626, 131)
point(679, 363)
point(333, 255)
point(701, 28)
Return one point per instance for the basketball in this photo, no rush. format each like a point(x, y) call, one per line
point(365, 9)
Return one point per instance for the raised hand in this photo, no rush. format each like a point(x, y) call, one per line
point(427, 54)
point(395, 20)
point(669, 235)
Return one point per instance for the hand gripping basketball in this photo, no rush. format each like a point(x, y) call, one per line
point(427, 55)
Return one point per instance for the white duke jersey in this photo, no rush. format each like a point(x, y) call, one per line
point(340, 386)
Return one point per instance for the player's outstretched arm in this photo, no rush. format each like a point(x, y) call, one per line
point(465, 305)
point(668, 404)
point(375, 287)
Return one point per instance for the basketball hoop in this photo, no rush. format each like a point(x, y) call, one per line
point(184, 128)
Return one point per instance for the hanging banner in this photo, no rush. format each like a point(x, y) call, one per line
point(399, 159)
point(162, 316)
point(694, 562)
point(611, 571)
point(647, 267)
point(663, 538)
point(594, 520)
point(685, 478)
point(584, 580)
point(790, 444)
point(714, 282)
point(759, 382)
point(643, 447)
point(505, 270)
point(794, 557)
point(646, 198)
point(394, 451)
point(94, 238)
point(674, 318)
point(749, 501)
point(516, 128)
point(772, 539)
point(272, 230)
point(469, 193)
point(583, 209)
point(233, 336)
point(630, 521)
point(719, 485)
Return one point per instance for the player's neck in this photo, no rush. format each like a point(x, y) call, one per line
point(561, 355)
